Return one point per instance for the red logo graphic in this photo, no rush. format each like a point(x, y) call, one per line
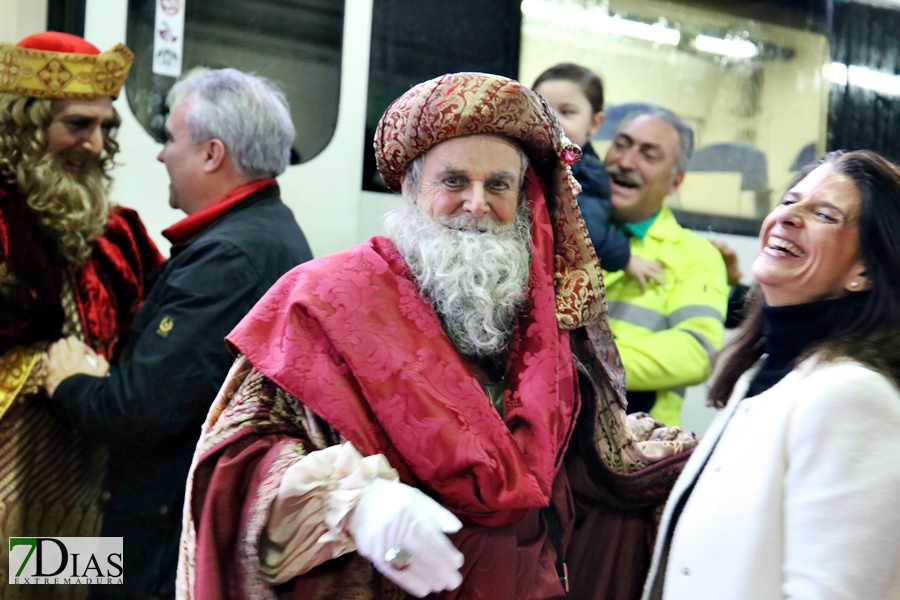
point(170, 7)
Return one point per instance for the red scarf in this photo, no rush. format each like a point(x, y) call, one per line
point(185, 229)
point(350, 336)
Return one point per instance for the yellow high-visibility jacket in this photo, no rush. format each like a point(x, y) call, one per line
point(668, 335)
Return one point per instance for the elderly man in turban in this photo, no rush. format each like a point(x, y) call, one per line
point(397, 419)
point(71, 264)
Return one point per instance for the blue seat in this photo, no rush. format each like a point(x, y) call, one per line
point(806, 155)
point(747, 160)
point(614, 117)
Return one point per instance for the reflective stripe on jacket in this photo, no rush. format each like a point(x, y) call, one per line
point(668, 335)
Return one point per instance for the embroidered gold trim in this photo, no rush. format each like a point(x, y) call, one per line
point(72, 322)
point(63, 75)
point(580, 293)
point(16, 366)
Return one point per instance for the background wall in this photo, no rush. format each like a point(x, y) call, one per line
point(19, 18)
point(865, 107)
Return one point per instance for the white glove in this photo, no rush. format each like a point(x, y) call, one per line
point(392, 515)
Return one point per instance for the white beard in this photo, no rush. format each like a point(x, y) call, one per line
point(474, 271)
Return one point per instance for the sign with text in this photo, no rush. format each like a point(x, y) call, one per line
point(65, 560)
point(168, 37)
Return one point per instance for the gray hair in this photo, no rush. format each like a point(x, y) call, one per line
point(413, 177)
point(685, 133)
point(248, 113)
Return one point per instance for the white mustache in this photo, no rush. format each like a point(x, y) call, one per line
point(472, 223)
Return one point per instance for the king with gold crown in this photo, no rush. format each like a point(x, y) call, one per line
point(71, 264)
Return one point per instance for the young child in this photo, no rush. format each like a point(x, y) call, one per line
point(576, 94)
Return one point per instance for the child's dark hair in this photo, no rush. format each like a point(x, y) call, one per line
point(590, 82)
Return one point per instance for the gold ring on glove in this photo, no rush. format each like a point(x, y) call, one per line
point(398, 557)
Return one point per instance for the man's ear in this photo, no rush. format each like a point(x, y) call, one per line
point(596, 122)
point(216, 154)
point(676, 182)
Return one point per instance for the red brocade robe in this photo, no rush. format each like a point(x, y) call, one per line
point(359, 347)
point(50, 476)
point(344, 348)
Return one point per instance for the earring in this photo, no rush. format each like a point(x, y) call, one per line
point(854, 284)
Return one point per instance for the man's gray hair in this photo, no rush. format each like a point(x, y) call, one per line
point(248, 113)
point(685, 133)
point(413, 177)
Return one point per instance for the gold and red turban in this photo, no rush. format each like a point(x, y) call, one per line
point(61, 66)
point(464, 104)
point(461, 104)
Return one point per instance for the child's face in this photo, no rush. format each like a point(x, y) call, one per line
point(572, 109)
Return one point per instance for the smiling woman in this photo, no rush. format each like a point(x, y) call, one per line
point(787, 467)
point(809, 245)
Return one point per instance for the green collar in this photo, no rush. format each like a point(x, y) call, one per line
point(639, 229)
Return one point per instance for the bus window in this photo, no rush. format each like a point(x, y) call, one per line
point(755, 92)
point(295, 43)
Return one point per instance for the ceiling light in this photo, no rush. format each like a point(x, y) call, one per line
point(598, 19)
point(837, 72)
point(730, 46)
point(882, 83)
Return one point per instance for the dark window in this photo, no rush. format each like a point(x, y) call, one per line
point(415, 40)
point(295, 43)
point(865, 99)
point(66, 16)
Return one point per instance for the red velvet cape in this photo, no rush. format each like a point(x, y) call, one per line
point(108, 288)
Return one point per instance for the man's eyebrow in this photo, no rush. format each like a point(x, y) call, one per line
point(450, 170)
point(505, 174)
point(652, 146)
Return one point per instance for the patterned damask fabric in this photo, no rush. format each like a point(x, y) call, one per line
point(351, 337)
point(580, 294)
point(50, 475)
point(247, 403)
point(464, 104)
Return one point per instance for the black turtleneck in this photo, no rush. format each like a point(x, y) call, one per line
point(788, 331)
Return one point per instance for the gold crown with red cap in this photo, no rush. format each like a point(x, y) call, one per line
point(62, 67)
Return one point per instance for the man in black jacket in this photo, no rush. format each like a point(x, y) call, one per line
point(228, 135)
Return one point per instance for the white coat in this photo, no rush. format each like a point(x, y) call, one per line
point(794, 493)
